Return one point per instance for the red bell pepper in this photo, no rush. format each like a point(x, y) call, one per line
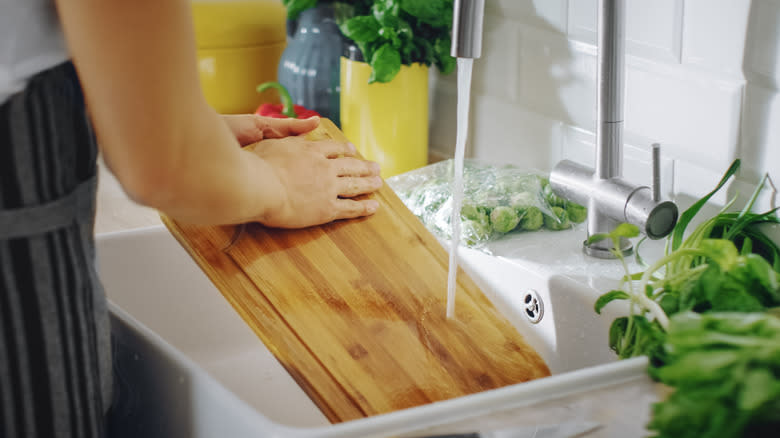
point(286, 108)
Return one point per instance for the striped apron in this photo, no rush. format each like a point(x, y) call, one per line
point(55, 354)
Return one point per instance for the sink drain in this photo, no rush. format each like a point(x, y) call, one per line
point(534, 307)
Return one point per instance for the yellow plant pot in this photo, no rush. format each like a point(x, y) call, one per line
point(388, 123)
point(239, 43)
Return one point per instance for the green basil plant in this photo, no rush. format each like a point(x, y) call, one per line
point(392, 33)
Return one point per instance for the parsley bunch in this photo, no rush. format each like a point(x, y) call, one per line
point(703, 314)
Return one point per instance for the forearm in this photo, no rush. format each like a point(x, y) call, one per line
point(213, 181)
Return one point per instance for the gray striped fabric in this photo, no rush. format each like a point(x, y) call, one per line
point(55, 364)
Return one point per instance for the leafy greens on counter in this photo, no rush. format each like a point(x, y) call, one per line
point(706, 316)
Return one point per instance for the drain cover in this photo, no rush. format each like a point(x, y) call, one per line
point(534, 307)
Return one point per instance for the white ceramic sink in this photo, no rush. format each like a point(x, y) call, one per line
point(189, 366)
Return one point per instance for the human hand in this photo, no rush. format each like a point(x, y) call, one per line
point(251, 128)
point(319, 181)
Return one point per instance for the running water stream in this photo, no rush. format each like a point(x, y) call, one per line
point(464, 97)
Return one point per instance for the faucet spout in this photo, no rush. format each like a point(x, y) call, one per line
point(611, 80)
point(468, 16)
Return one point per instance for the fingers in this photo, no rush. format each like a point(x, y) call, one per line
point(355, 167)
point(350, 208)
point(332, 149)
point(278, 128)
point(351, 186)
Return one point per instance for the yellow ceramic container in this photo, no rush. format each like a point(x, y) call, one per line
point(388, 123)
point(239, 44)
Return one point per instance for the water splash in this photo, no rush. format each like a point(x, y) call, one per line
point(464, 97)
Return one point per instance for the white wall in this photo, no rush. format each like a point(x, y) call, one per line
point(701, 78)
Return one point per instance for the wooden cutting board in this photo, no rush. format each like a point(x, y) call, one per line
point(355, 310)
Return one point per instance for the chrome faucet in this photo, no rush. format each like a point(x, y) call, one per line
point(611, 199)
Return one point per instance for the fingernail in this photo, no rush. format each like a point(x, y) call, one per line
point(352, 147)
point(317, 118)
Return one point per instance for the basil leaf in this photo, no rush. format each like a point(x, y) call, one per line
point(386, 13)
point(385, 64)
point(389, 34)
point(362, 29)
point(444, 61)
point(433, 12)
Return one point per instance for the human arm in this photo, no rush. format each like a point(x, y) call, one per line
point(168, 148)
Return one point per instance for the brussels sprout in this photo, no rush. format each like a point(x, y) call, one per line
point(552, 198)
point(522, 199)
point(504, 219)
point(560, 220)
point(473, 232)
point(531, 218)
point(475, 213)
point(576, 212)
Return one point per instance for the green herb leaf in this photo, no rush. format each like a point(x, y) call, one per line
point(444, 61)
point(625, 230)
point(386, 13)
point(723, 252)
point(687, 216)
point(361, 29)
point(608, 298)
point(433, 12)
point(598, 237)
point(760, 387)
point(385, 64)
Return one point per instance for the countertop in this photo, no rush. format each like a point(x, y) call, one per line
point(622, 409)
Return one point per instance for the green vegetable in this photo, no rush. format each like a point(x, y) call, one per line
point(552, 198)
point(726, 371)
point(531, 218)
point(576, 212)
point(522, 200)
point(474, 232)
point(559, 220)
point(391, 33)
point(701, 315)
point(498, 199)
point(504, 219)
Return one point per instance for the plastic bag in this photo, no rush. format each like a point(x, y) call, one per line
point(496, 201)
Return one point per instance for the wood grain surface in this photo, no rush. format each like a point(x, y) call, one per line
point(355, 310)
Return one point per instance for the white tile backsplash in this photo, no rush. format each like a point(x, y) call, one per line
point(653, 29)
point(546, 14)
point(760, 143)
point(558, 77)
point(715, 33)
point(702, 79)
point(763, 39)
point(685, 111)
point(496, 71)
point(522, 137)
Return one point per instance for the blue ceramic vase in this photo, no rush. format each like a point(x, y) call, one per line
point(309, 67)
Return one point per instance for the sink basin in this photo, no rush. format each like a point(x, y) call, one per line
point(187, 365)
